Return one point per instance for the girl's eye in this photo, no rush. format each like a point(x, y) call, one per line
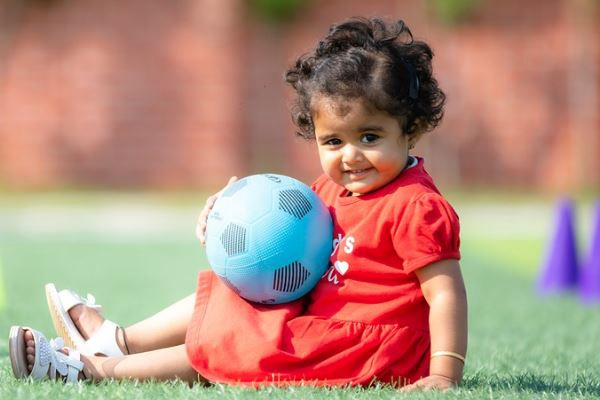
point(369, 138)
point(333, 142)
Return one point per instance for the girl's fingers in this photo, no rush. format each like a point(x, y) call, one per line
point(200, 230)
point(432, 382)
point(409, 388)
point(203, 217)
point(201, 227)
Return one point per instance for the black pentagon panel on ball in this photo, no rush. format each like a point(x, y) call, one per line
point(294, 202)
point(234, 239)
point(290, 277)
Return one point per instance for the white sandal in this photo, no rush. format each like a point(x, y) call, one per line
point(103, 341)
point(47, 357)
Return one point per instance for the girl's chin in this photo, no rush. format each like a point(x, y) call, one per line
point(363, 187)
point(358, 189)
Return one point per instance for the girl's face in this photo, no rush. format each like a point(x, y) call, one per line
point(360, 148)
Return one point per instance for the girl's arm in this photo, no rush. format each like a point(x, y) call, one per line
point(443, 287)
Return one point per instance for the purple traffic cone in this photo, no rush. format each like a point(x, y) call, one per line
point(560, 269)
point(589, 280)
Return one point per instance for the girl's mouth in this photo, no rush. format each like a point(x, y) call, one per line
point(357, 173)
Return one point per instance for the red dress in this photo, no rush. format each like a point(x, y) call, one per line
point(365, 321)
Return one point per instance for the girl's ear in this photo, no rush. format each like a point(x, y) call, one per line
point(414, 138)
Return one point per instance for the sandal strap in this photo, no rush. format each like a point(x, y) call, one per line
point(48, 358)
point(70, 299)
point(72, 365)
point(43, 355)
point(103, 341)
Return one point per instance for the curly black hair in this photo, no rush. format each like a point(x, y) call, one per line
point(373, 60)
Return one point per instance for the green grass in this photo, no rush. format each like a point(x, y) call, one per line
point(520, 345)
point(2, 295)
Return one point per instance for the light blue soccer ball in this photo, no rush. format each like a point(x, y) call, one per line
point(268, 237)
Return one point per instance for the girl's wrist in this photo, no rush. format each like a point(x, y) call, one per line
point(449, 354)
point(448, 367)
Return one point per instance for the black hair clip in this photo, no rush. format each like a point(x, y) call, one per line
point(413, 85)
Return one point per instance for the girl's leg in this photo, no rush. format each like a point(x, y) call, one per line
point(167, 328)
point(163, 364)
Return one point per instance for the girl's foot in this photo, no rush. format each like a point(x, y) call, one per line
point(52, 362)
point(88, 321)
point(29, 349)
point(79, 322)
point(30, 354)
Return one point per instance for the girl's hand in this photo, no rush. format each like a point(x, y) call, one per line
point(203, 218)
point(431, 382)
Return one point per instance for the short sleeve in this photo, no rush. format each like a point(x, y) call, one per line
point(318, 184)
point(428, 231)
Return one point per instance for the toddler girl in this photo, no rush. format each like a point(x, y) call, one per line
point(392, 306)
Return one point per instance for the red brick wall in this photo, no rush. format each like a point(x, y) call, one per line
point(511, 79)
point(131, 93)
point(186, 93)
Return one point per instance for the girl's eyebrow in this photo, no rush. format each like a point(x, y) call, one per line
point(376, 128)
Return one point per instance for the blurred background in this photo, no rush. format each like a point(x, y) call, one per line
point(179, 94)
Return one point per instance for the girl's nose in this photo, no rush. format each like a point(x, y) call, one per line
point(351, 155)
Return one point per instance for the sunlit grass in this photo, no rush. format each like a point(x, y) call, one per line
point(520, 345)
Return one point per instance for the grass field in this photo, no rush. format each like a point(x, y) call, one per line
point(137, 254)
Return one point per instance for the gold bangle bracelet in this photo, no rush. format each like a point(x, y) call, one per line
point(449, 354)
